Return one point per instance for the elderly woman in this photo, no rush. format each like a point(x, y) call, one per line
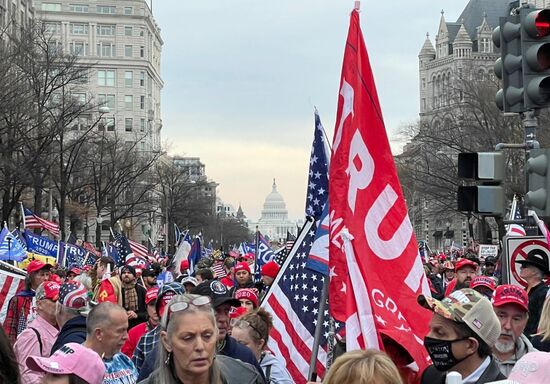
point(188, 347)
point(252, 330)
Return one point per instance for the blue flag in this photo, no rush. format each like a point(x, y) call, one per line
point(194, 255)
point(110, 250)
point(315, 246)
point(11, 248)
point(41, 245)
point(265, 255)
point(178, 234)
point(123, 248)
point(71, 255)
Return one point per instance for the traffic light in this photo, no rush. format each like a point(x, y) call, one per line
point(535, 50)
point(538, 180)
point(488, 196)
point(507, 37)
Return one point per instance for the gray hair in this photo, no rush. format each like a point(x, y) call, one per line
point(166, 376)
point(85, 280)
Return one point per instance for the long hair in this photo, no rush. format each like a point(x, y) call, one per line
point(544, 322)
point(363, 367)
point(9, 369)
point(166, 374)
point(261, 322)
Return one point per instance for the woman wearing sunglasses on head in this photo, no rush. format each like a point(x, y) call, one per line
point(252, 330)
point(188, 347)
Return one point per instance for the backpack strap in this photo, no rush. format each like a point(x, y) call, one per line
point(268, 373)
point(38, 337)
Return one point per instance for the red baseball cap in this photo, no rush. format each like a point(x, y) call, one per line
point(242, 266)
point(483, 281)
point(511, 294)
point(151, 295)
point(37, 265)
point(51, 291)
point(465, 263)
point(75, 270)
point(184, 265)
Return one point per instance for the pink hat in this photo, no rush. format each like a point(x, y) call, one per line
point(68, 360)
point(242, 266)
point(532, 368)
point(511, 294)
point(248, 294)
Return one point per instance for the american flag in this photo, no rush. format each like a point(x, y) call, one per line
point(138, 249)
point(31, 221)
point(515, 214)
point(218, 269)
point(295, 296)
point(123, 248)
point(11, 281)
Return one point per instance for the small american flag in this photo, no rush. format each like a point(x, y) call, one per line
point(11, 281)
point(31, 221)
point(515, 214)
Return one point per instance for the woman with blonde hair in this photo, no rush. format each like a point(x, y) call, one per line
point(541, 339)
point(187, 348)
point(363, 367)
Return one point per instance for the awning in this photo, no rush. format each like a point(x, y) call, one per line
point(438, 234)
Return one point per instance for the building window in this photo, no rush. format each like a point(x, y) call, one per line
point(80, 8)
point(142, 79)
point(485, 45)
point(106, 49)
point(142, 125)
point(107, 9)
point(51, 7)
point(142, 32)
point(128, 31)
point(54, 47)
point(128, 123)
point(128, 78)
point(142, 102)
point(107, 100)
point(110, 123)
point(128, 51)
point(106, 78)
point(142, 51)
point(423, 104)
point(79, 29)
point(78, 48)
point(142, 146)
point(128, 10)
point(106, 30)
point(51, 27)
point(129, 102)
point(81, 97)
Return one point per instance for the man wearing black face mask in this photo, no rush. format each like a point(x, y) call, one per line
point(463, 330)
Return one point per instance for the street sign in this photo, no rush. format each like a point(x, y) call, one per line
point(486, 250)
point(517, 248)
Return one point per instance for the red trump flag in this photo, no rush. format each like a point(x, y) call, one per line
point(374, 262)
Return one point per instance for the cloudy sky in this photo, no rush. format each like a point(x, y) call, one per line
point(242, 78)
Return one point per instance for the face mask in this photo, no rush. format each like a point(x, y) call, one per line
point(441, 353)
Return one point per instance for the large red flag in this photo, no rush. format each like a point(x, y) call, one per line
point(375, 266)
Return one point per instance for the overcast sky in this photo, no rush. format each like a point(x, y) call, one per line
point(242, 78)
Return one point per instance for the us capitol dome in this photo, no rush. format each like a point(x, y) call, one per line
point(274, 220)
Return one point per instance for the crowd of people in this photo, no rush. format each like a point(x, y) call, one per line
point(111, 324)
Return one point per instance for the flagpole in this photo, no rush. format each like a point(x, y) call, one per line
point(256, 252)
point(312, 373)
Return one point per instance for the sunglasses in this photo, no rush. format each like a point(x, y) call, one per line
point(240, 323)
point(184, 305)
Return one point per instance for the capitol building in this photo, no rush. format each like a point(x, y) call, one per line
point(274, 223)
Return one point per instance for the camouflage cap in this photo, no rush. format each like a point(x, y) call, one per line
point(470, 307)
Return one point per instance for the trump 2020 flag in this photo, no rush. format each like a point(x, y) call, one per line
point(11, 248)
point(374, 265)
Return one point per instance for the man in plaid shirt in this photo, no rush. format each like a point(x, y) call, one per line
point(148, 341)
point(19, 306)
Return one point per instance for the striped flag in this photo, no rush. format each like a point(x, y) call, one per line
point(11, 281)
point(515, 214)
point(31, 221)
point(219, 270)
point(138, 249)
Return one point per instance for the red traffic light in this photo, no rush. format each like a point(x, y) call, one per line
point(537, 23)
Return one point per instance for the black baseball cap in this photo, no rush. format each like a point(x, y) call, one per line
point(217, 292)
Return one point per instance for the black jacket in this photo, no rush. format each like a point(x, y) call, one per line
point(539, 345)
point(537, 295)
point(142, 308)
point(73, 331)
point(492, 373)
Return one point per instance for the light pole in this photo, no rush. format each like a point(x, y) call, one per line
point(98, 228)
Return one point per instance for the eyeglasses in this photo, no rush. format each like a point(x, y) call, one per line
point(239, 323)
point(198, 301)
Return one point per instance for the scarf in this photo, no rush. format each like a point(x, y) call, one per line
point(130, 296)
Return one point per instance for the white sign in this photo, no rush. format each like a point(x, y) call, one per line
point(486, 250)
point(517, 248)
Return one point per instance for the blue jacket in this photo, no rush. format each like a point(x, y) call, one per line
point(232, 349)
point(73, 331)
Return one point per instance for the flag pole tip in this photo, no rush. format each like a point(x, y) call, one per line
point(357, 6)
